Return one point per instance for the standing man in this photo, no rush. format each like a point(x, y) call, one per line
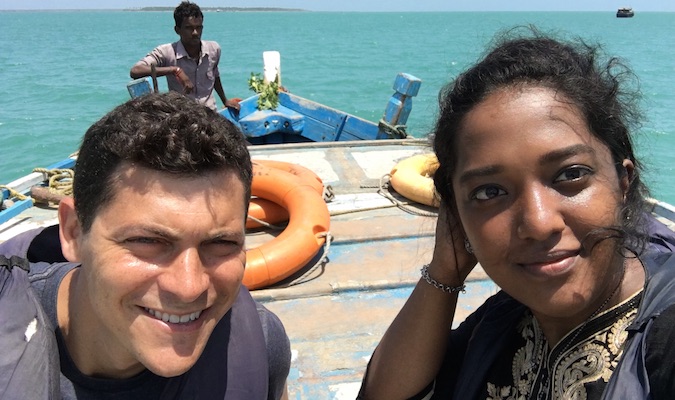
point(145, 288)
point(190, 64)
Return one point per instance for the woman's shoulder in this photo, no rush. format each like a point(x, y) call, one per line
point(659, 290)
point(660, 345)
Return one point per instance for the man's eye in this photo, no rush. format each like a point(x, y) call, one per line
point(487, 193)
point(142, 240)
point(222, 248)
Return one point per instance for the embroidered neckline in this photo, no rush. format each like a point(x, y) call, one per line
point(597, 348)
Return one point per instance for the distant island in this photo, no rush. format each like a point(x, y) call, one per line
point(218, 9)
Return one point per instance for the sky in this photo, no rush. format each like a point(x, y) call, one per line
point(359, 5)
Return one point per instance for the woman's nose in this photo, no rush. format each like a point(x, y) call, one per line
point(540, 215)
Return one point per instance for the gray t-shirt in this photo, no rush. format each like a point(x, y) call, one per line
point(45, 279)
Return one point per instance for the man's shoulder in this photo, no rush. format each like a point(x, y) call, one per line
point(167, 48)
point(45, 271)
point(271, 323)
point(29, 366)
point(278, 350)
point(210, 47)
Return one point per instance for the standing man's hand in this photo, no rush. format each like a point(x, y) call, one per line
point(184, 80)
point(233, 103)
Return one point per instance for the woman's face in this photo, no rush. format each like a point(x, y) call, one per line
point(531, 182)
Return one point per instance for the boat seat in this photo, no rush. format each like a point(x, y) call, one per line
point(139, 87)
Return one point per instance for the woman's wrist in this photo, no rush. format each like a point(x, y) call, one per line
point(446, 271)
point(444, 287)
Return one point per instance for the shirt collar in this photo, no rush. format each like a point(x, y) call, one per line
point(182, 53)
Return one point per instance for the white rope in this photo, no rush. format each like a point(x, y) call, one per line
point(384, 192)
point(321, 262)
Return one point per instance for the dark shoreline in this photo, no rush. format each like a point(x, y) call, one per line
point(218, 9)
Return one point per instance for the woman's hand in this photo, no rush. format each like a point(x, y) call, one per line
point(412, 350)
point(451, 262)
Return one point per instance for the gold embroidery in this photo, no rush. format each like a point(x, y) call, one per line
point(593, 358)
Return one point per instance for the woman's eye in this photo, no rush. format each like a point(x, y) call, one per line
point(572, 174)
point(487, 193)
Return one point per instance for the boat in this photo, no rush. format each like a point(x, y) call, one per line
point(292, 119)
point(337, 306)
point(625, 12)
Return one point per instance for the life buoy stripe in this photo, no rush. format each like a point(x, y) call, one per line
point(305, 234)
point(413, 179)
point(270, 212)
point(307, 175)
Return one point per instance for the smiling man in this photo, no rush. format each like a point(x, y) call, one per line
point(190, 64)
point(150, 303)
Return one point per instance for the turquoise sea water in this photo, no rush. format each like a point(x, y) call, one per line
point(62, 70)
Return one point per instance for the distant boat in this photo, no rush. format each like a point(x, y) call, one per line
point(625, 12)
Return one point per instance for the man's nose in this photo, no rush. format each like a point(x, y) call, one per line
point(186, 278)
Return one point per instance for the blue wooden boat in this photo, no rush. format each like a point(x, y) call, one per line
point(296, 119)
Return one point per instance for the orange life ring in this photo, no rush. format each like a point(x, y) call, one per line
point(307, 175)
point(264, 210)
point(270, 212)
point(304, 235)
point(413, 178)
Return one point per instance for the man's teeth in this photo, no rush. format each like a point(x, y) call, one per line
point(173, 318)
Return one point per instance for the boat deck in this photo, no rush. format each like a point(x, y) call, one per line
point(337, 308)
point(336, 313)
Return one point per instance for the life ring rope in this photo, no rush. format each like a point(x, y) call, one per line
point(321, 262)
point(405, 206)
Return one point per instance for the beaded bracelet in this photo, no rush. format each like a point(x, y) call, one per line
point(433, 282)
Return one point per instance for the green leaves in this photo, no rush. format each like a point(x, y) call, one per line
point(268, 91)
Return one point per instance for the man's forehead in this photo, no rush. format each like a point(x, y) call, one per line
point(192, 21)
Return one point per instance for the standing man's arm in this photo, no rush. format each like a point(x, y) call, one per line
point(218, 87)
point(164, 65)
point(140, 70)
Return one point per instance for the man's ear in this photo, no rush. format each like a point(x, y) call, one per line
point(177, 30)
point(70, 230)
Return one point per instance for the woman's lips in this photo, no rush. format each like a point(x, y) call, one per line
point(554, 267)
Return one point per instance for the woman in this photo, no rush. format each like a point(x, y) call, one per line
point(539, 183)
